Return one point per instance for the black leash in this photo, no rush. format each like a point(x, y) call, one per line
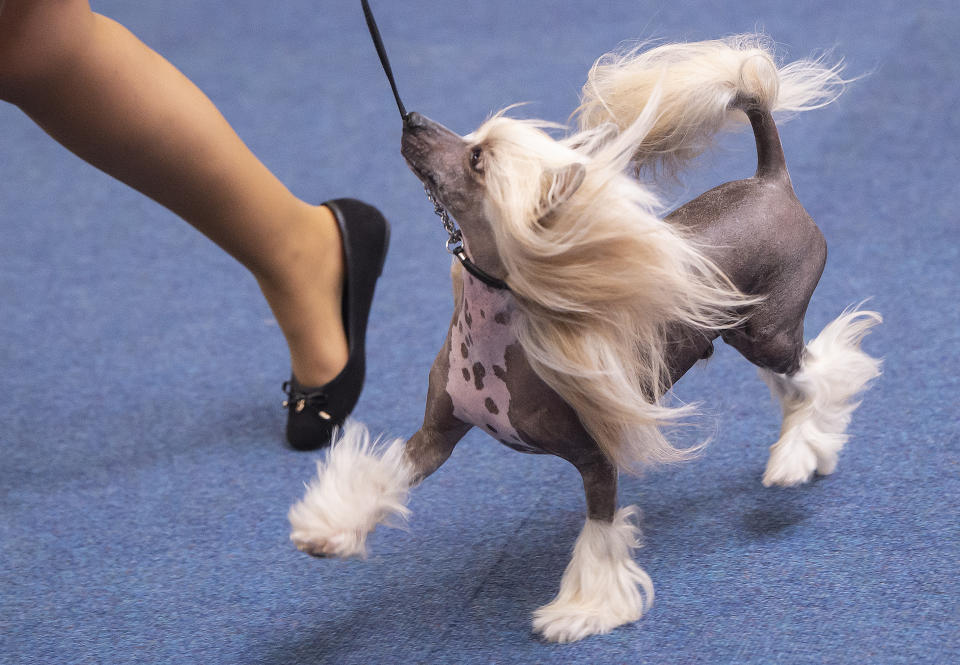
point(455, 241)
point(382, 52)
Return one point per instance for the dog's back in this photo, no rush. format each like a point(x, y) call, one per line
point(755, 230)
point(759, 234)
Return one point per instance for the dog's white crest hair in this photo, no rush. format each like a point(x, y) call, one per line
point(701, 86)
point(598, 275)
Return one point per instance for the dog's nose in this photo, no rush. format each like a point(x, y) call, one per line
point(414, 120)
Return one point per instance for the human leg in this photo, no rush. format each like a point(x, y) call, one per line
point(110, 99)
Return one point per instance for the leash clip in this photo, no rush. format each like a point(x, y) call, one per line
point(455, 243)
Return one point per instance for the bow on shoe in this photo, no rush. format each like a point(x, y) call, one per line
point(298, 401)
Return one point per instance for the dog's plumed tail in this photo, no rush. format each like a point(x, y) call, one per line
point(703, 88)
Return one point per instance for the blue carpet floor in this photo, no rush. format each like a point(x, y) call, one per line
point(143, 480)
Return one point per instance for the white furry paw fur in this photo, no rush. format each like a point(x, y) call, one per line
point(818, 401)
point(359, 484)
point(602, 587)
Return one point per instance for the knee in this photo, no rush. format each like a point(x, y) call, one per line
point(779, 352)
point(38, 40)
point(784, 353)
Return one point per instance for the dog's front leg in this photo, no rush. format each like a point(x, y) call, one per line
point(362, 483)
point(602, 587)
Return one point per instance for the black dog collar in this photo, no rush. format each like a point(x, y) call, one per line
point(455, 245)
point(475, 270)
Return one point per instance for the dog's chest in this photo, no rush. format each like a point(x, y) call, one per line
point(477, 376)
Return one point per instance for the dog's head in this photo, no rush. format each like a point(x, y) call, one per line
point(508, 173)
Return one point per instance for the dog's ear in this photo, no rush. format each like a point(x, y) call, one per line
point(559, 185)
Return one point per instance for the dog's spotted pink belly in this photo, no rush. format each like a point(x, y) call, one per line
point(477, 376)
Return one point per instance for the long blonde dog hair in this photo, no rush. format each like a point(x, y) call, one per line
point(598, 274)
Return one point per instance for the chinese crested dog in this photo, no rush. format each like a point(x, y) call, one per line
point(582, 305)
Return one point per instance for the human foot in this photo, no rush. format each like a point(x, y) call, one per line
point(316, 407)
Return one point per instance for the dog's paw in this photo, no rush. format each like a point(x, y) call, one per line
point(792, 462)
point(359, 484)
point(569, 622)
point(342, 545)
point(602, 587)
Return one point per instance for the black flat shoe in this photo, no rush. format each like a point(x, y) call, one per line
point(313, 412)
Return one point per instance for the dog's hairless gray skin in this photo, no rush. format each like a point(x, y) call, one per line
point(755, 230)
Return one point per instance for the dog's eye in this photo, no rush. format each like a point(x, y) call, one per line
point(476, 159)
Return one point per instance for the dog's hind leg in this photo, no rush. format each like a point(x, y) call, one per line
point(818, 399)
point(602, 587)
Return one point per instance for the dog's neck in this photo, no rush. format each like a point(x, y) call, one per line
point(474, 295)
point(480, 274)
point(483, 254)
